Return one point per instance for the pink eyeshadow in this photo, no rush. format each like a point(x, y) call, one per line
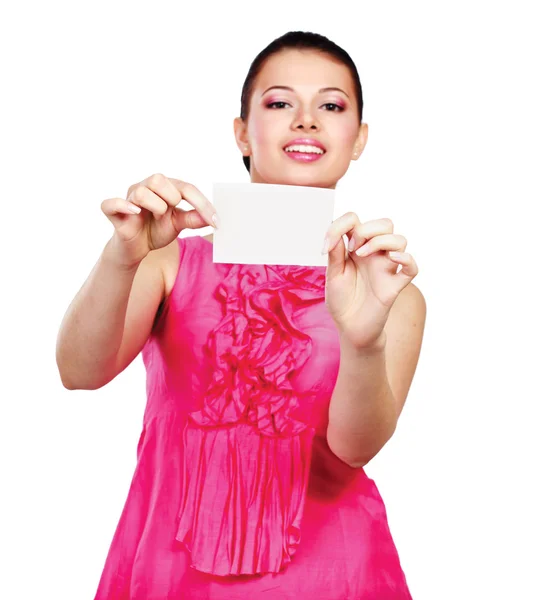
point(270, 100)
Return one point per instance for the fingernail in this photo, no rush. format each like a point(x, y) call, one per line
point(326, 246)
point(351, 245)
point(215, 220)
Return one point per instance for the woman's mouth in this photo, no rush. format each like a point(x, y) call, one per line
point(303, 152)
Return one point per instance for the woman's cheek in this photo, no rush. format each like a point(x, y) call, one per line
point(263, 129)
point(256, 127)
point(347, 132)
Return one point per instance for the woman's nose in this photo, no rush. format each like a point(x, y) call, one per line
point(305, 120)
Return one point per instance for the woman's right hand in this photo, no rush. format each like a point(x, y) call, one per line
point(158, 220)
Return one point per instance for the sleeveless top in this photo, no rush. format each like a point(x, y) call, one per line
point(241, 364)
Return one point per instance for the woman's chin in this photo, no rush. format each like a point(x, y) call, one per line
point(310, 176)
point(310, 182)
point(305, 179)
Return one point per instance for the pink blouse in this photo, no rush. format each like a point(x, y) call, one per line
point(236, 491)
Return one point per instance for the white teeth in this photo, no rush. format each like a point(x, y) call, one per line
point(310, 149)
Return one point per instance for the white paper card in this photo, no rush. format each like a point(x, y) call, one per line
point(268, 224)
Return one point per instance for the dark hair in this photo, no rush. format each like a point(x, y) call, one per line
point(301, 40)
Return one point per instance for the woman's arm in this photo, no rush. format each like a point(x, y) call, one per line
point(374, 382)
point(109, 320)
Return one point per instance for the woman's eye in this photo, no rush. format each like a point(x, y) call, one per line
point(333, 107)
point(336, 106)
point(273, 103)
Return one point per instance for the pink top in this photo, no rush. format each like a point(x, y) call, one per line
point(236, 492)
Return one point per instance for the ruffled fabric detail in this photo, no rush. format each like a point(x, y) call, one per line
point(246, 459)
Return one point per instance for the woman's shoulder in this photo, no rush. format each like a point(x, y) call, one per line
point(170, 263)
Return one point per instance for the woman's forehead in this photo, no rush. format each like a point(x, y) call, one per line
point(307, 71)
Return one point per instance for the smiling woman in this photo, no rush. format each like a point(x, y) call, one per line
point(301, 83)
point(268, 387)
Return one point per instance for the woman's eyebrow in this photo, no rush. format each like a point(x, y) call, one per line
point(285, 87)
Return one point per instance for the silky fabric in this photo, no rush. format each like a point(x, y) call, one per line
point(236, 494)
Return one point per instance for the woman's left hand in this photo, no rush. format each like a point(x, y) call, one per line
point(360, 290)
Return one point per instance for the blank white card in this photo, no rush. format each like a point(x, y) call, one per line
point(268, 224)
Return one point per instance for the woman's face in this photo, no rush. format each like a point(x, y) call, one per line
point(304, 110)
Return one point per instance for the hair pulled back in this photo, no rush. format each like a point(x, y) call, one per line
point(300, 40)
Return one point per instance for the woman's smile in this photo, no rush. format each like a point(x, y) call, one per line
point(304, 155)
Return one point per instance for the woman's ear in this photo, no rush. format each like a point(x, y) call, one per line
point(240, 133)
point(360, 143)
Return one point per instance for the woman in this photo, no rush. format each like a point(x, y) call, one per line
point(269, 387)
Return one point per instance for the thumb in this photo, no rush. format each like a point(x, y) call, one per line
point(188, 219)
point(337, 259)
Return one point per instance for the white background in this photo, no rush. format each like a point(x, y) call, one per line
point(99, 96)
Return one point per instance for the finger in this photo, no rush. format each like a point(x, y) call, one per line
point(365, 231)
point(162, 187)
point(117, 210)
point(409, 266)
point(113, 206)
point(338, 228)
point(188, 219)
point(198, 200)
point(382, 242)
point(147, 199)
